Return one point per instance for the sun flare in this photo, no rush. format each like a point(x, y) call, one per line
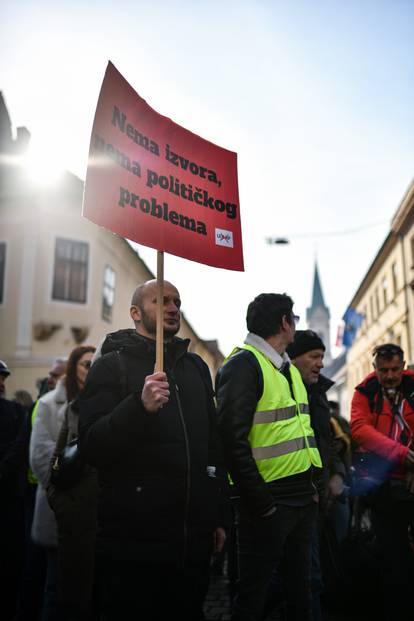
point(41, 163)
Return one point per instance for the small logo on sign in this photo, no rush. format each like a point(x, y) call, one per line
point(224, 238)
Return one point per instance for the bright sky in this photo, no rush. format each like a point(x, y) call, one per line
point(316, 97)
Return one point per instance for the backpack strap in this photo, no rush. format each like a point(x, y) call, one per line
point(407, 385)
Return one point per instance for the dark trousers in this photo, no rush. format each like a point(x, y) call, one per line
point(11, 552)
point(276, 594)
point(51, 610)
point(317, 585)
point(261, 544)
point(33, 579)
point(130, 590)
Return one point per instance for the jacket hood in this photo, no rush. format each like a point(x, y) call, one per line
point(122, 339)
point(129, 340)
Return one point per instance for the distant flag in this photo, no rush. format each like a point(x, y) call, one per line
point(339, 335)
point(353, 321)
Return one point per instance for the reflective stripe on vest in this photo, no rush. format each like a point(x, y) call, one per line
point(281, 436)
point(270, 416)
point(283, 448)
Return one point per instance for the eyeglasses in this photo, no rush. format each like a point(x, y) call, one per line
point(86, 363)
point(387, 350)
point(296, 319)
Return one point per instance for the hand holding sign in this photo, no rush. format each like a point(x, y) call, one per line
point(156, 392)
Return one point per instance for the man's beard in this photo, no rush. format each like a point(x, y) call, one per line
point(392, 384)
point(150, 325)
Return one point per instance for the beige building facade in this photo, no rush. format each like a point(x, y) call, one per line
point(64, 281)
point(386, 296)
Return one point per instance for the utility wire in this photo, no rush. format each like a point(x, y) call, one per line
point(279, 239)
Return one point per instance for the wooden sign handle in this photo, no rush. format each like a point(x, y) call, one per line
point(159, 357)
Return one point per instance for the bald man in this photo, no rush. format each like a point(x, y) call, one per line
point(152, 437)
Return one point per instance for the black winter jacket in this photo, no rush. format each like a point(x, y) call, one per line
point(14, 443)
point(320, 421)
point(156, 498)
point(239, 386)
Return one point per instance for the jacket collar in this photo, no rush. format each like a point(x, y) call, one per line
point(263, 346)
point(58, 394)
point(322, 385)
point(130, 341)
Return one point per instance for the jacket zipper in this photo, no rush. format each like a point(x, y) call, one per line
point(187, 451)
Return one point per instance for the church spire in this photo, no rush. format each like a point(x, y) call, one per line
point(317, 295)
point(318, 315)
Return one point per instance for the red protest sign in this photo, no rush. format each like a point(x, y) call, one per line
point(158, 184)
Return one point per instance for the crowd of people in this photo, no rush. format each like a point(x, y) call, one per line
point(124, 487)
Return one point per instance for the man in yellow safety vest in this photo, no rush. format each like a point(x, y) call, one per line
point(272, 459)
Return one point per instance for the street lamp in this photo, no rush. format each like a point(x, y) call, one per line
point(277, 240)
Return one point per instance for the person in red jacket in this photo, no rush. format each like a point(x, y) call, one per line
point(382, 425)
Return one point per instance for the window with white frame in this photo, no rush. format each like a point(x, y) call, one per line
point(70, 275)
point(384, 285)
point(108, 293)
point(394, 274)
point(371, 307)
point(377, 303)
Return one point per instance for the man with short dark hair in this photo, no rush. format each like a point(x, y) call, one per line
point(272, 458)
point(382, 424)
point(153, 438)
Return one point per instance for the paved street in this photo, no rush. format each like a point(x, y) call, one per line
point(217, 606)
point(218, 603)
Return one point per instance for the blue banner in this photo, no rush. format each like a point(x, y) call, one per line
point(353, 321)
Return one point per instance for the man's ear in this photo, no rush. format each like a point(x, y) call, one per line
point(285, 323)
point(135, 313)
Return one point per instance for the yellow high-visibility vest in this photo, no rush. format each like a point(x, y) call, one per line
point(282, 439)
